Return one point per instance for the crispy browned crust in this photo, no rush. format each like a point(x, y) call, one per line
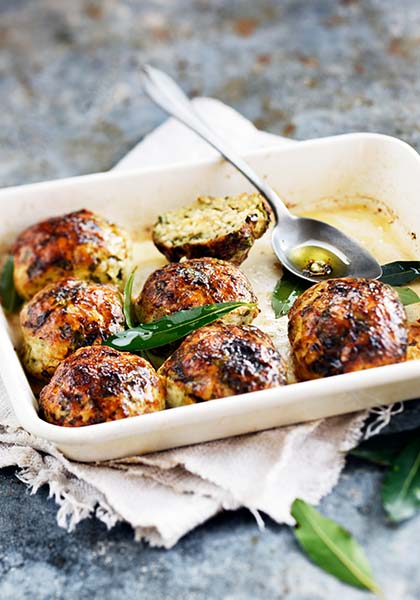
point(80, 244)
point(98, 384)
point(195, 282)
point(233, 247)
point(222, 360)
point(413, 349)
point(343, 325)
point(65, 316)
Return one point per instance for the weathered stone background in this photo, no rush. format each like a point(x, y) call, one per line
point(71, 104)
point(71, 101)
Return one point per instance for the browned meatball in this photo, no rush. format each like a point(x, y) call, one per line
point(80, 244)
point(225, 227)
point(413, 348)
point(64, 316)
point(221, 360)
point(97, 384)
point(180, 286)
point(343, 325)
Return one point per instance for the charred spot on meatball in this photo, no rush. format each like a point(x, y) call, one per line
point(221, 360)
point(65, 316)
point(223, 228)
point(347, 324)
point(80, 244)
point(192, 283)
point(98, 384)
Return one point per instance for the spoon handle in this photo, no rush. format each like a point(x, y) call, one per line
point(163, 90)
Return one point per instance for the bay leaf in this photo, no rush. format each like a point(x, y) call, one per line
point(407, 295)
point(287, 289)
point(170, 328)
point(128, 305)
point(400, 272)
point(10, 299)
point(383, 449)
point(401, 486)
point(332, 547)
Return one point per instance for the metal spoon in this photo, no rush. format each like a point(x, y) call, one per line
point(292, 236)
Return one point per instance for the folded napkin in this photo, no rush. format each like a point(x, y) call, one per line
point(166, 494)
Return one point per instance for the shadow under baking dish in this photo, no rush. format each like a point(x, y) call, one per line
point(366, 184)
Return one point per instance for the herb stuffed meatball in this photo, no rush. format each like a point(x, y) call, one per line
point(98, 384)
point(221, 360)
point(64, 316)
point(343, 325)
point(224, 228)
point(192, 283)
point(80, 244)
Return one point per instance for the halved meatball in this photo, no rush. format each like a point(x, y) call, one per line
point(97, 384)
point(224, 228)
point(347, 324)
point(221, 360)
point(81, 244)
point(64, 316)
point(192, 283)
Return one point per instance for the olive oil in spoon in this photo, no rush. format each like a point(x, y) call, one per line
point(320, 261)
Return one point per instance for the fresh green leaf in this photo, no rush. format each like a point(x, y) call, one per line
point(400, 272)
point(401, 486)
point(383, 449)
point(155, 360)
point(379, 456)
point(128, 306)
point(332, 547)
point(407, 295)
point(10, 299)
point(285, 293)
point(170, 328)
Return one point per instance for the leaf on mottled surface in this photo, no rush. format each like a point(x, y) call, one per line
point(332, 547)
point(380, 456)
point(382, 449)
point(401, 485)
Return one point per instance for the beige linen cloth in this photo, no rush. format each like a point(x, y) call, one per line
point(167, 494)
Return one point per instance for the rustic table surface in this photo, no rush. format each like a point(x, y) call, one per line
point(70, 104)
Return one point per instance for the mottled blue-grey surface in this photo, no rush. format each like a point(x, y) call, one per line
point(71, 104)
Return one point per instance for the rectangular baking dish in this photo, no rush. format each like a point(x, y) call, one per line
point(350, 166)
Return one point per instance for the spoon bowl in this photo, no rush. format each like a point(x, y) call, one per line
point(310, 249)
point(303, 244)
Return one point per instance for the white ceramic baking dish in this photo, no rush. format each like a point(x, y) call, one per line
point(337, 169)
